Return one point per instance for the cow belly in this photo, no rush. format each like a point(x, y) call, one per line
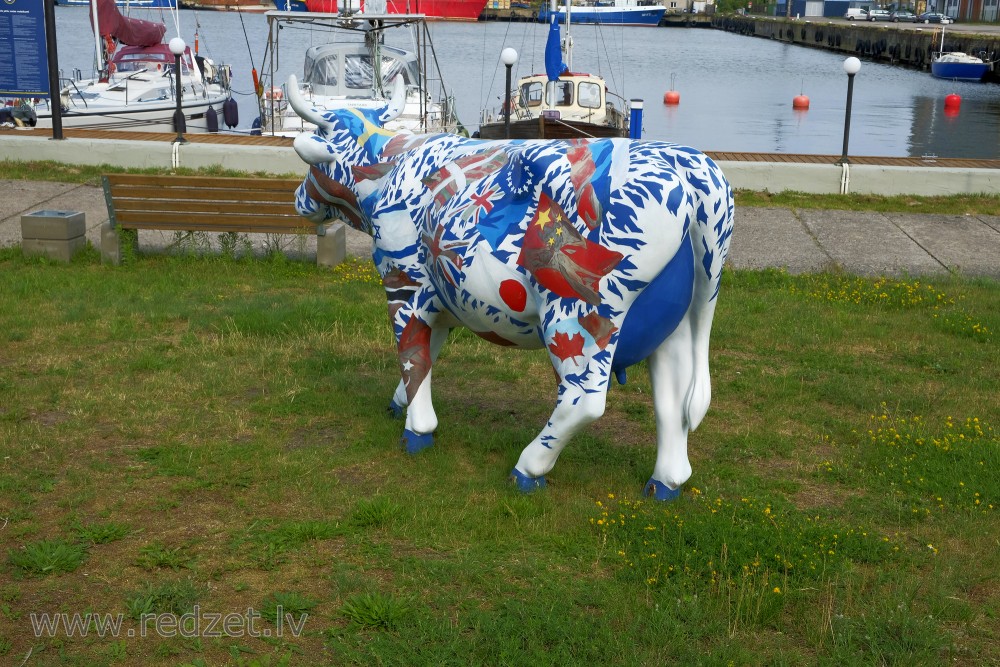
point(658, 310)
point(493, 300)
point(494, 325)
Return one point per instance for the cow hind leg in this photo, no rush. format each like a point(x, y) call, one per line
point(672, 372)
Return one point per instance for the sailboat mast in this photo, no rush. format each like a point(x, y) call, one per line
point(568, 42)
point(97, 35)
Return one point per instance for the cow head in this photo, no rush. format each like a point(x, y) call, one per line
point(344, 139)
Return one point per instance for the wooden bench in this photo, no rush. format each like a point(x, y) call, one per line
point(211, 204)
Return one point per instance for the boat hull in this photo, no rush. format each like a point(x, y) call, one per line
point(639, 16)
point(959, 71)
point(545, 128)
point(142, 117)
point(452, 10)
point(132, 4)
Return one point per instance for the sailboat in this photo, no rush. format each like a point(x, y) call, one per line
point(360, 61)
point(957, 65)
point(452, 10)
point(559, 103)
point(134, 85)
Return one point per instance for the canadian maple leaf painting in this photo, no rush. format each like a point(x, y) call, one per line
point(567, 346)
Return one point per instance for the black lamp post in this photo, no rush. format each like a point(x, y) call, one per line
point(852, 66)
point(177, 47)
point(508, 57)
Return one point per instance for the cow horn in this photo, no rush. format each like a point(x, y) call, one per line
point(397, 103)
point(302, 108)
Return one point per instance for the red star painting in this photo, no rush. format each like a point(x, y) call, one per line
point(562, 260)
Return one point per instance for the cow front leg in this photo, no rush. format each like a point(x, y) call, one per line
point(671, 370)
point(415, 362)
point(399, 401)
point(573, 412)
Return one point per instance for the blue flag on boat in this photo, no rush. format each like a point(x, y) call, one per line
point(554, 65)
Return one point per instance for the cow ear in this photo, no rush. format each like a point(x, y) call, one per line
point(302, 108)
point(396, 104)
point(313, 149)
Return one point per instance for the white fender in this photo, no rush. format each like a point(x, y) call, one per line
point(302, 108)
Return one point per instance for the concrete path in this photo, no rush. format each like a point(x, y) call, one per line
point(801, 241)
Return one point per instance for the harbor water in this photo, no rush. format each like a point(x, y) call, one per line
point(735, 91)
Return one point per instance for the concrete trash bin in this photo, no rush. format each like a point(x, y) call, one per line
point(56, 234)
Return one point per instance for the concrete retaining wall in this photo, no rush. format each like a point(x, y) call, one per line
point(760, 176)
point(152, 154)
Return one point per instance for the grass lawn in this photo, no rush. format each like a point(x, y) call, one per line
point(194, 440)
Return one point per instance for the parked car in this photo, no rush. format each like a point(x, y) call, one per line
point(934, 17)
point(878, 15)
point(854, 13)
point(903, 16)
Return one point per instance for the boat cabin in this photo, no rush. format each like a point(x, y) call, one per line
point(153, 59)
point(575, 96)
point(348, 70)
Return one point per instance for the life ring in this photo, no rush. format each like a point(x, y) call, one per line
point(274, 94)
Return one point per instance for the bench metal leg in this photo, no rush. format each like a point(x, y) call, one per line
point(116, 242)
point(111, 246)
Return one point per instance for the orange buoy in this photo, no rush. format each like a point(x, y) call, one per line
point(800, 102)
point(671, 97)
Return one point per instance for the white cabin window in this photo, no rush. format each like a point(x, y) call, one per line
point(531, 94)
point(590, 95)
point(322, 72)
point(564, 93)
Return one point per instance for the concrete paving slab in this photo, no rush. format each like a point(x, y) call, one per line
point(963, 243)
point(991, 220)
point(359, 244)
point(868, 244)
point(774, 237)
point(20, 196)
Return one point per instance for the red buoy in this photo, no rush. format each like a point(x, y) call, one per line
point(952, 101)
point(671, 97)
point(800, 102)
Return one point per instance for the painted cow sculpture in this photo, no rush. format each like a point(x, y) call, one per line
point(606, 252)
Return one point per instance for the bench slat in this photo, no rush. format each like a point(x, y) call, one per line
point(242, 226)
point(208, 221)
point(122, 207)
point(225, 182)
point(121, 192)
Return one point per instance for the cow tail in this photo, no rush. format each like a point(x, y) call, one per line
point(711, 232)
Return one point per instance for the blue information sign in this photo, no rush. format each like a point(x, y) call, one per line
point(23, 58)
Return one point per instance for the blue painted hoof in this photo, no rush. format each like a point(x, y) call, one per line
point(660, 491)
point(395, 410)
point(526, 484)
point(416, 442)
